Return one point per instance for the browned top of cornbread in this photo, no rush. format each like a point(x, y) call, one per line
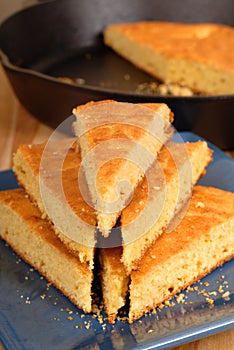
point(119, 130)
point(18, 201)
point(102, 127)
point(63, 152)
point(203, 42)
point(56, 155)
point(118, 121)
point(208, 208)
point(169, 166)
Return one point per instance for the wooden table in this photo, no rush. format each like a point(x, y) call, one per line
point(17, 126)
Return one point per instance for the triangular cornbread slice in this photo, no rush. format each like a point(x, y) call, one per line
point(117, 262)
point(201, 242)
point(160, 195)
point(36, 242)
point(118, 142)
point(49, 173)
point(197, 56)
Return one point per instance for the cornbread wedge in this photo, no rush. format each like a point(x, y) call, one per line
point(49, 174)
point(201, 242)
point(36, 242)
point(117, 263)
point(197, 56)
point(118, 142)
point(157, 201)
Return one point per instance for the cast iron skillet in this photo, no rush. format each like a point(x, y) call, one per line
point(63, 38)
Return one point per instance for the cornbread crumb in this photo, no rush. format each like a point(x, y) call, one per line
point(200, 205)
point(27, 301)
point(226, 295)
point(213, 293)
point(220, 289)
point(170, 303)
point(210, 301)
point(157, 88)
point(180, 298)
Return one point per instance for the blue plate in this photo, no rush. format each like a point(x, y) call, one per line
point(35, 315)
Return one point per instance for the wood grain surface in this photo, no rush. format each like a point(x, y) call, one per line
point(17, 126)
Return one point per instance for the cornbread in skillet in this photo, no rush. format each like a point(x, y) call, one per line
point(112, 137)
point(49, 174)
point(201, 242)
point(36, 242)
point(197, 56)
point(157, 201)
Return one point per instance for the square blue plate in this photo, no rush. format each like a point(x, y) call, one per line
point(35, 315)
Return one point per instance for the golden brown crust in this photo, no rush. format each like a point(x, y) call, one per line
point(57, 151)
point(160, 108)
point(128, 129)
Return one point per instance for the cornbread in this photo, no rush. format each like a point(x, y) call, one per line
point(117, 263)
point(49, 174)
point(201, 242)
point(36, 242)
point(118, 142)
point(168, 233)
point(197, 56)
point(157, 201)
point(114, 281)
